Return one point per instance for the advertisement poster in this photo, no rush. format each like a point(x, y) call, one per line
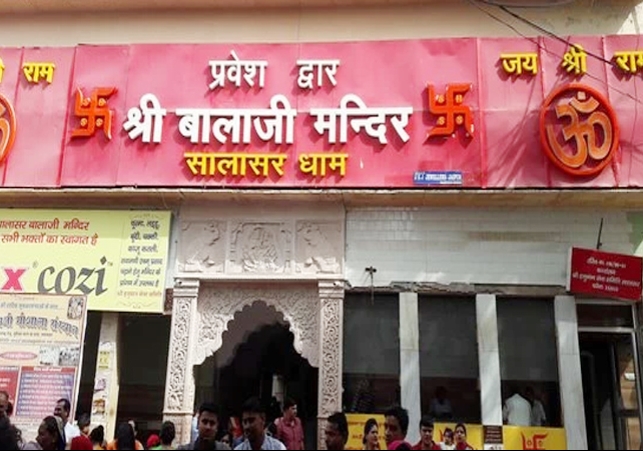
point(505, 437)
point(534, 438)
point(41, 348)
point(475, 434)
point(118, 259)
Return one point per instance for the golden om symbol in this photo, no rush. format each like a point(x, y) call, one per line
point(7, 127)
point(594, 132)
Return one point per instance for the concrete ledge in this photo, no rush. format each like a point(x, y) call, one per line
point(615, 199)
point(71, 6)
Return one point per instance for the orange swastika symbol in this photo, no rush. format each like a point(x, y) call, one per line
point(535, 443)
point(450, 110)
point(94, 113)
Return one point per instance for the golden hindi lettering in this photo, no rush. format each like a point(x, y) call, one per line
point(35, 72)
point(575, 60)
point(234, 164)
point(630, 61)
point(321, 164)
point(200, 163)
point(519, 63)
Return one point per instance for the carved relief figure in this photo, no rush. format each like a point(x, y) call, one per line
point(261, 248)
point(203, 250)
point(315, 251)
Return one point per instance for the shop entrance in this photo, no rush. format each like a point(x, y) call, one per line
point(258, 358)
point(610, 374)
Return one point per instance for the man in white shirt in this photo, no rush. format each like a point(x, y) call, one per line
point(63, 407)
point(440, 407)
point(538, 415)
point(517, 411)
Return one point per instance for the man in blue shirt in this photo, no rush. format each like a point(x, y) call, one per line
point(254, 429)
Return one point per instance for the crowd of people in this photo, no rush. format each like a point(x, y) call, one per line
point(57, 432)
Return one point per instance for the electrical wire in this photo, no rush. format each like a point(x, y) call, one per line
point(551, 34)
point(522, 4)
point(536, 41)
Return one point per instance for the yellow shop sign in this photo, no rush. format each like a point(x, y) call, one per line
point(118, 259)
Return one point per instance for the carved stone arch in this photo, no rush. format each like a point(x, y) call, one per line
point(241, 328)
point(298, 302)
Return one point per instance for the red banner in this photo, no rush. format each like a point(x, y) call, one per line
point(470, 113)
point(606, 275)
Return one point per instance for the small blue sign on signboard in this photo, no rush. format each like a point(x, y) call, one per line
point(429, 178)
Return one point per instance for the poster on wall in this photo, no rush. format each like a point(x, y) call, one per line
point(118, 259)
point(102, 382)
point(41, 348)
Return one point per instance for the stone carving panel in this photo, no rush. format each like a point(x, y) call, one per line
point(331, 295)
point(178, 361)
point(202, 247)
point(261, 247)
point(331, 341)
point(318, 247)
point(298, 303)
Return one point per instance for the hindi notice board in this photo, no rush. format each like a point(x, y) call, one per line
point(118, 259)
point(603, 274)
point(41, 348)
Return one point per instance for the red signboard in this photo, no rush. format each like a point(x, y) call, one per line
point(9, 380)
point(605, 275)
point(466, 113)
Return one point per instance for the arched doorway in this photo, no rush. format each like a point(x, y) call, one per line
point(258, 358)
point(201, 314)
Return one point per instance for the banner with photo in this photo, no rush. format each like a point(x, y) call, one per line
point(41, 348)
point(356, 424)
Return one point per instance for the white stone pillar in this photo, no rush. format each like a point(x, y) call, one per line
point(489, 358)
point(331, 333)
point(179, 386)
point(410, 362)
point(569, 372)
point(107, 373)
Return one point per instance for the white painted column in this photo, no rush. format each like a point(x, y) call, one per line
point(410, 362)
point(180, 387)
point(489, 358)
point(107, 374)
point(569, 372)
